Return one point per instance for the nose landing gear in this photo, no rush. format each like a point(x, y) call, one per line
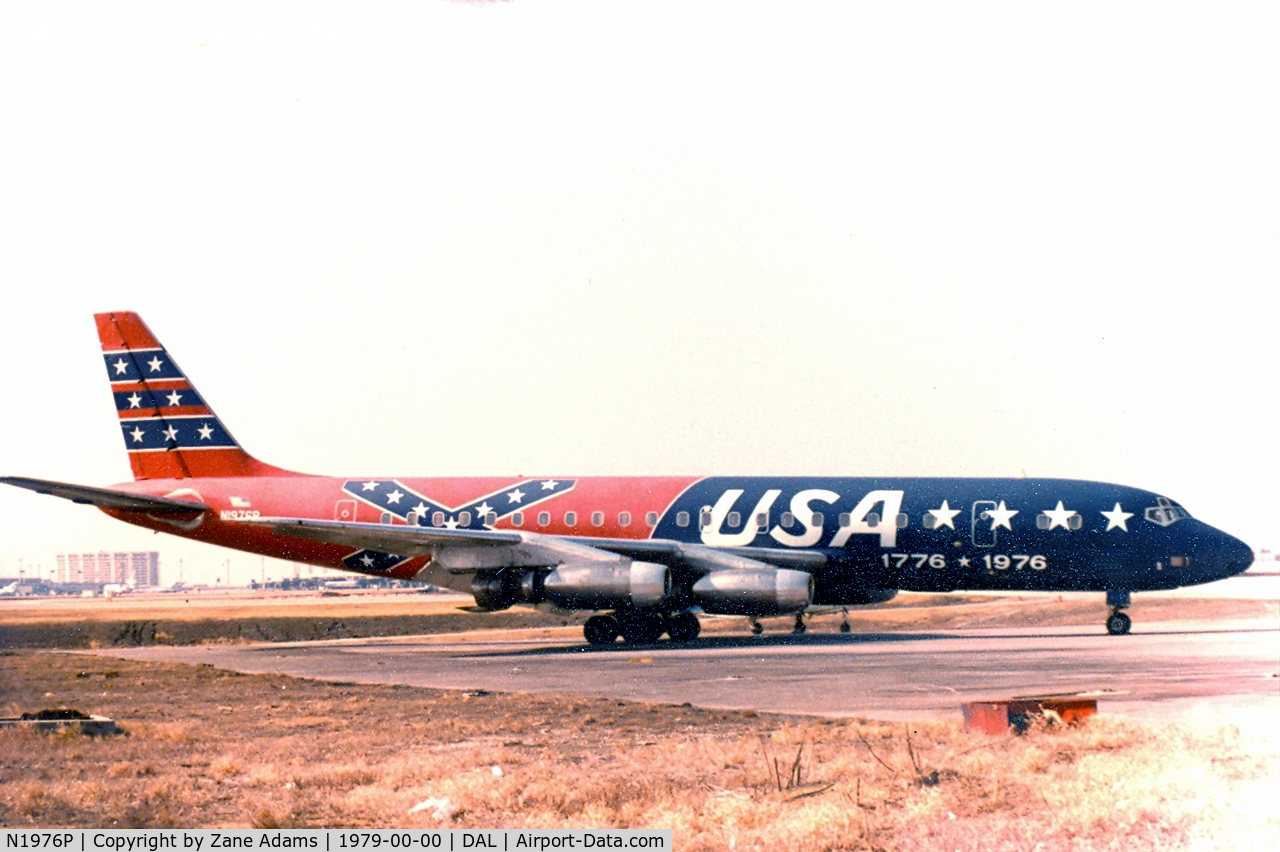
point(1118, 623)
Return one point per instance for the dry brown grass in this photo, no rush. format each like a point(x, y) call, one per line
point(212, 748)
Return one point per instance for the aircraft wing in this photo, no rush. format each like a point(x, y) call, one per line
point(106, 498)
point(466, 551)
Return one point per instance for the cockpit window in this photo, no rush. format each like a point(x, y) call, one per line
point(1166, 513)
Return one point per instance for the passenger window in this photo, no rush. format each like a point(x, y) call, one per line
point(651, 519)
point(517, 520)
point(491, 519)
point(464, 520)
point(846, 519)
point(902, 520)
point(682, 519)
point(437, 520)
point(570, 519)
point(412, 519)
point(386, 517)
point(873, 519)
point(819, 519)
point(762, 522)
point(734, 519)
point(597, 518)
point(544, 518)
point(928, 521)
point(1075, 522)
point(704, 519)
point(788, 519)
point(1179, 562)
point(1042, 521)
point(624, 519)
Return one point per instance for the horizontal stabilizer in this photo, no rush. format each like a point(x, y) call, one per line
point(106, 498)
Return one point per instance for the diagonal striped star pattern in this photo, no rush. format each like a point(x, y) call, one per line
point(394, 497)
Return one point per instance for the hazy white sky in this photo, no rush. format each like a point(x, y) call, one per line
point(572, 238)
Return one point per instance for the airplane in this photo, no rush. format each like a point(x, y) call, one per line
point(647, 555)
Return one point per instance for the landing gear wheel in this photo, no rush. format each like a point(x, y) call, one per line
point(683, 627)
point(844, 627)
point(799, 626)
point(641, 629)
point(1118, 623)
point(601, 630)
point(844, 621)
point(756, 628)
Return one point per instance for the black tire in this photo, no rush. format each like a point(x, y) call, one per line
point(601, 630)
point(683, 627)
point(757, 628)
point(1118, 624)
point(641, 629)
point(844, 627)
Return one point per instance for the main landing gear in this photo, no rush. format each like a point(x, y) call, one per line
point(641, 628)
point(1118, 623)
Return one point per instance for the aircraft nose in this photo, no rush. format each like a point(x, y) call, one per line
point(1230, 556)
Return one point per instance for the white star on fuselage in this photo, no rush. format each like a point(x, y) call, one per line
point(483, 509)
point(205, 432)
point(451, 524)
point(136, 434)
point(370, 485)
point(366, 561)
point(944, 517)
point(135, 401)
point(1117, 517)
point(421, 508)
point(515, 496)
point(121, 366)
point(1001, 516)
point(549, 485)
point(1059, 517)
point(174, 397)
point(394, 496)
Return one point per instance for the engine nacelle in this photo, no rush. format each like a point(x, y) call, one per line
point(754, 591)
point(495, 590)
point(638, 584)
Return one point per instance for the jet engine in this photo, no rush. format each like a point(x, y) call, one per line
point(754, 591)
point(607, 586)
point(638, 584)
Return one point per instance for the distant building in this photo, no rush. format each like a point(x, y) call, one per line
point(139, 568)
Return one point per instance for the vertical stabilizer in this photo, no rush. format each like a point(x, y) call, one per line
point(169, 431)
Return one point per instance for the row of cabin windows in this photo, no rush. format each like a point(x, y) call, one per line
point(788, 519)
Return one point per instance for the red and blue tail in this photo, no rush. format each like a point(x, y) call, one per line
point(169, 431)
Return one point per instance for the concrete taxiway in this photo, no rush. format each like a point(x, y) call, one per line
point(1226, 671)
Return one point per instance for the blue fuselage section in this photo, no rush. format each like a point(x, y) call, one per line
point(936, 534)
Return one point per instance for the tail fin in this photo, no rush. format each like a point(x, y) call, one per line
point(169, 431)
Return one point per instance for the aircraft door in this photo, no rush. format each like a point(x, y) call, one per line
point(345, 510)
point(984, 534)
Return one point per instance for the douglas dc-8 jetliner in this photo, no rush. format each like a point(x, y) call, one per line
point(646, 554)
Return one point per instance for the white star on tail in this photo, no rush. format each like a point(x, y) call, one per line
point(171, 434)
point(944, 517)
point(205, 432)
point(1117, 517)
point(135, 401)
point(1001, 516)
point(154, 364)
point(121, 366)
point(136, 434)
point(174, 397)
point(1059, 517)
